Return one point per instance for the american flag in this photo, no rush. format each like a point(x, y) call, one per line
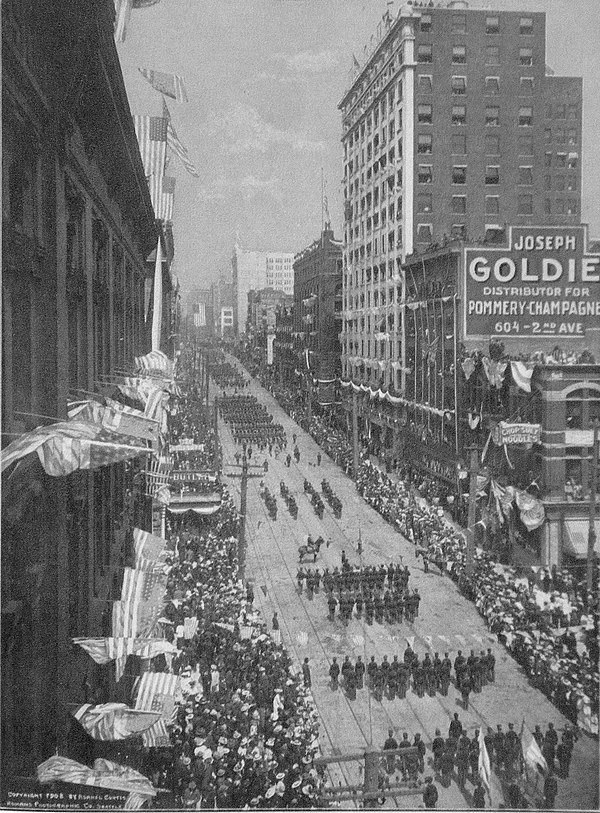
point(67, 446)
point(151, 132)
point(167, 199)
point(104, 650)
point(148, 546)
point(175, 144)
point(156, 360)
point(142, 597)
point(133, 424)
point(104, 774)
point(155, 404)
point(113, 721)
point(168, 83)
point(156, 691)
point(122, 13)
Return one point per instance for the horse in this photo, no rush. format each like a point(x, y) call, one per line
point(310, 549)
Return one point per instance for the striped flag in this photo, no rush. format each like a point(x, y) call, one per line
point(105, 650)
point(175, 144)
point(113, 721)
point(104, 774)
point(122, 14)
point(156, 692)
point(155, 361)
point(148, 546)
point(485, 768)
point(142, 597)
point(70, 445)
point(167, 199)
point(532, 756)
point(151, 132)
point(135, 801)
point(133, 424)
point(190, 627)
point(168, 83)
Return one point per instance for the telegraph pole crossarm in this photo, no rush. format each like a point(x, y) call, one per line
point(244, 475)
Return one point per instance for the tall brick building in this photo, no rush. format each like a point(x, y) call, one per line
point(317, 311)
point(451, 128)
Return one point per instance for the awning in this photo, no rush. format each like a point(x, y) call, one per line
point(575, 538)
point(198, 503)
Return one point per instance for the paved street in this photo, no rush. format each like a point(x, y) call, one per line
point(446, 622)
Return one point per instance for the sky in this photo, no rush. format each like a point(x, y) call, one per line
point(264, 80)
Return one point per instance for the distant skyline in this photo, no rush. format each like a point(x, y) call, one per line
point(264, 78)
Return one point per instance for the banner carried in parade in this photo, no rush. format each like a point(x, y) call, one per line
point(544, 283)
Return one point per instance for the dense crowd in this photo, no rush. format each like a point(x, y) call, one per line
point(565, 667)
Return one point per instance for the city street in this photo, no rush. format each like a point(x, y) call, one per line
point(447, 622)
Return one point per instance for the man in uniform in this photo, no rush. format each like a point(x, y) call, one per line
point(462, 759)
point(491, 666)
point(512, 747)
point(455, 728)
point(404, 743)
point(500, 746)
point(403, 678)
point(359, 672)
point(459, 668)
point(331, 604)
point(334, 673)
point(428, 675)
point(347, 667)
point(445, 675)
point(437, 746)
point(391, 744)
point(392, 678)
point(371, 671)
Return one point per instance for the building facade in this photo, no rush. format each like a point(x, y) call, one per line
point(78, 228)
point(451, 128)
point(317, 312)
point(262, 313)
point(511, 372)
point(254, 270)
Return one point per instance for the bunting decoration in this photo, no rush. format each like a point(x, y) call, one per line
point(175, 144)
point(522, 374)
point(170, 84)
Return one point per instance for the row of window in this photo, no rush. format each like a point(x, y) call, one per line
point(459, 55)
point(492, 24)
point(459, 175)
point(458, 144)
point(491, 85)
point(524, 202)
point(459, 115)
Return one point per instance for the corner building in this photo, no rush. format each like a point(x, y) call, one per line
point(451, 129)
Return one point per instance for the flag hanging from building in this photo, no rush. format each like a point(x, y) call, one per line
point(131, 423)
point(168, 83)
point(142, 598)
point(105, 650)
point(113, 721)
point(67, 446)
point(200, 314)
point(148, 546)
point(156, 691)
point(104, 774)
point(167, 199)
point(155, 362)
point(151, 132)
point(175, 144)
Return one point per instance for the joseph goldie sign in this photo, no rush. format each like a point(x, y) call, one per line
point(542, 284)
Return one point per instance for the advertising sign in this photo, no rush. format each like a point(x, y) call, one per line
point(512, 434)
point(270, 342)
point(542, 284)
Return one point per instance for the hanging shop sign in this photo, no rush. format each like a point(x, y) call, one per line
point(544, 283)
point(511, 434)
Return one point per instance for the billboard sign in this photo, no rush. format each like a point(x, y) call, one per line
point(543, 283)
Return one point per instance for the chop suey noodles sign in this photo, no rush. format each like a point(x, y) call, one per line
point(543, 284)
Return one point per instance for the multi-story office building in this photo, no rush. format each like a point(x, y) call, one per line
point(317, 311)
point(254, 270)
point(280, 271)
point(450, 129)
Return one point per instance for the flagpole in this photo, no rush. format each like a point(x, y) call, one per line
point(157, 301)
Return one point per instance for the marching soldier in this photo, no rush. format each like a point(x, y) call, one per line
point(359, 672)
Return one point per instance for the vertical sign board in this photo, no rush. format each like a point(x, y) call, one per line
point(543, 283)
point(270, 342)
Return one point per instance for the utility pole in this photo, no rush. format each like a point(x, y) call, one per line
point(473, 471)
point(591, 546)
point(309, 400)
point(245, 467)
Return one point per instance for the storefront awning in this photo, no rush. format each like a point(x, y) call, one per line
point(198, 503)
point(575, 538)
